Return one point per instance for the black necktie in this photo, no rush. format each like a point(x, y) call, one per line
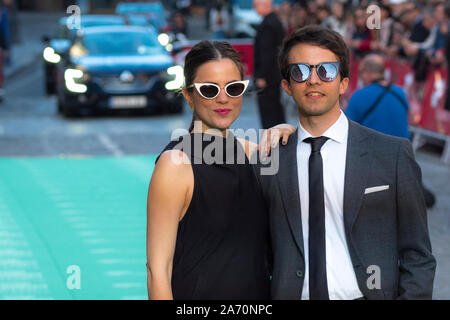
point(318, 289)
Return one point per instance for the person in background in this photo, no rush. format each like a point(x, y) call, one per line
point(5, 26)
point(386, 32)
point(362, 40)
point(2, 48)
point(379, 105)
point(323, 12)
point(297, 18)
point(219, 21)
point(284, 12)
point(447, 58)
point(179, 24)
point(267, 77)
point(336, 21)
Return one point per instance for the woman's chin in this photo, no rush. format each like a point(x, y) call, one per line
point(223, 124)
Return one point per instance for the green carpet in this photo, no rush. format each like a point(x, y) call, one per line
point(84, 212)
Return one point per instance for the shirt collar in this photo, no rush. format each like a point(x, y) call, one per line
point(337, 132)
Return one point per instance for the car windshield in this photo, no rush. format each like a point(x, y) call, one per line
point(100, 23)
point(121, 43)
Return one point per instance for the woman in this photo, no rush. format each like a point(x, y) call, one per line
point(207, 227)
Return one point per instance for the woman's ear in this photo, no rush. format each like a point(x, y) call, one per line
point(188, 97)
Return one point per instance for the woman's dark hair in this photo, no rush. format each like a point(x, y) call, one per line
point(318, 36)
point(206, 51)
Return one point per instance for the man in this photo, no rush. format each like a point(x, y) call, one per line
point(379, 105)
point(266, 72)
point(348, 219)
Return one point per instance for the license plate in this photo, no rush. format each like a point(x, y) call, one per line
point(123, 102)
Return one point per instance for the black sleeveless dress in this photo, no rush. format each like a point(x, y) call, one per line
point(222, 243)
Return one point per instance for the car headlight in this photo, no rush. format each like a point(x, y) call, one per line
point(77, 51)
point(177, 83)
point(169, 47)
point(164, 39)
point(72, 78)
point(51, 56)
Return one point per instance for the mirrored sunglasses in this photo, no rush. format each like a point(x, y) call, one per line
point(326, 71)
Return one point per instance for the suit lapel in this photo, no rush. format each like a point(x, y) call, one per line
point(356, 171)
point(288, 183)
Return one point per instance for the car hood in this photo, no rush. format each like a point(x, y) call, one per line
point(115, 64)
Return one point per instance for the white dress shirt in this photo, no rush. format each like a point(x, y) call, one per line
point(341, 278)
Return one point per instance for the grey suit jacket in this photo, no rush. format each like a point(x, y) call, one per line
point(387, 229)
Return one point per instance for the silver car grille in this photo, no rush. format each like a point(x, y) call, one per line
point(113, 84)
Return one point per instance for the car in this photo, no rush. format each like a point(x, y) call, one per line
point(61, 41)
point(118, 67)
point(144, 13)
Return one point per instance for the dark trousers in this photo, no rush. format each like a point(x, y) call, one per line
point(270, 108)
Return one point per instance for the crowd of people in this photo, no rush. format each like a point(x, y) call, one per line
point(413, 31)
point(416, 31)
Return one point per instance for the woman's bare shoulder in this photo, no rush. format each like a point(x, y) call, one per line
point(172, 164)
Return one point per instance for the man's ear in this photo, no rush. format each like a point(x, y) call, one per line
point(286, 87)
point(343, 86)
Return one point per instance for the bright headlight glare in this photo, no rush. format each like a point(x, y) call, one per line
point(164, 39)
point(169, 47)
point(177, 83)
point(70, 75)
point(51, 56)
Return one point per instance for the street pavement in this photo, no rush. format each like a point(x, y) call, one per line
point(73, 191)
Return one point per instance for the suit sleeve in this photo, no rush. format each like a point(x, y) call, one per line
point(417, 265)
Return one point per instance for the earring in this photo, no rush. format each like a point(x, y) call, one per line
point(191, 107)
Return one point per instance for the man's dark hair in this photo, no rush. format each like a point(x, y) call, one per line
point(317, 36)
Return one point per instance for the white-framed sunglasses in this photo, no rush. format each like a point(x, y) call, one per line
point(209, 90)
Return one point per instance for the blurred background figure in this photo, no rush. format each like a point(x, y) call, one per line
point(447, 56)
point(362, 41)
point(183, 6)
point(298, 17)
point(284, 12)
point(219, 20)
point(8, 18)
point(267, 76)
point(179, 24)
point(336, 21)
point(379, 105)
point(430, 51)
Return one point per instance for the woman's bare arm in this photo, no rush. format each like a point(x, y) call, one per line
point(169, 195)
